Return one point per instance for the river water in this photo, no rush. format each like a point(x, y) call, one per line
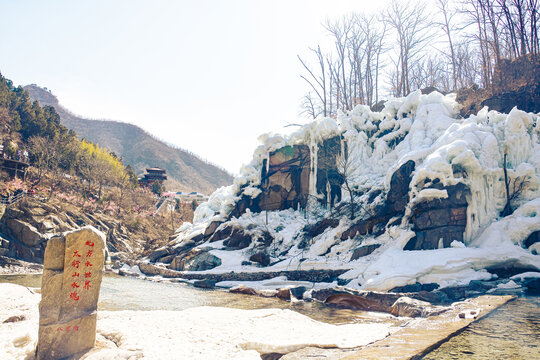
point(510, 332)
point(126, 293)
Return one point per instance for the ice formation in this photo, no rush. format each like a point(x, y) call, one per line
point(445, 148)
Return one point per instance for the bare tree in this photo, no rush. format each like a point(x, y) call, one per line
point(446, 25)
point(347, 167)
point(518, 185)
point(309, 106)
point(411, 25)
point(341, 31)
point(348, 75)
point(317, 82)
point(468, 65)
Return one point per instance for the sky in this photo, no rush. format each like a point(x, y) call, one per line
point(207, 76)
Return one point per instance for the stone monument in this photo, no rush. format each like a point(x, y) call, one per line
point(72, 272)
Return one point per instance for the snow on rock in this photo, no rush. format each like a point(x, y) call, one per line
point(18, 337)
point(225, 333)
point(526, 275)
point(447, 151)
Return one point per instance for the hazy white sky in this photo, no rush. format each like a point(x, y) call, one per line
point(208, 76)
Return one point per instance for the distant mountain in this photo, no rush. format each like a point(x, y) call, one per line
point(186, 171)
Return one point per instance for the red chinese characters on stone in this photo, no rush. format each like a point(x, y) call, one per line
point(68, 328)
point(87, 274)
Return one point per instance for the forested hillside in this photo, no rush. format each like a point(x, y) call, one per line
point(139, 149)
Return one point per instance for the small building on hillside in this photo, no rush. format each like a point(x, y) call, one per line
point(192, 197)
point(15, 164)
point(152, 175)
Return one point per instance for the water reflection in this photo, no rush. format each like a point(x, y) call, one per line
point(510, 332)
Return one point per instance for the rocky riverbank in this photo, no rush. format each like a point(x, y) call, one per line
point(417, 300)
point(11, 266)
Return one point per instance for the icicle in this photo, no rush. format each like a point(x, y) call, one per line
point(313, 146)
point(267, 161)
point(328, 194)
point(484, 203)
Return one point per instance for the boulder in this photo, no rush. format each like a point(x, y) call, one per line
point(408, 307)
point(351, 301)
point(47, 225)
point(15, 318)
point(319, 227)
point(261, 257)
point(264, 240)
point(367, 226)
point(24, 232)
point(237, 240)
point(531, 239)
point(364, 251)
point(272, 356)
point(205, 284)
point(243, 290)
point(153, 270)
point(195, 260)
point(284, 294)
point(32, 254)
point(211, 228)
point(532, 286)
point(71, 282)
point(417, 287)
point(481, 286)
point(116, 241)
point(221, 234)
point(158, 254)
point(298, 292)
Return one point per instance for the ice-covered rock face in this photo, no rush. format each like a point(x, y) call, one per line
point(421, 178)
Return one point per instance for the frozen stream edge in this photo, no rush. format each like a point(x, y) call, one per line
point(419, 336)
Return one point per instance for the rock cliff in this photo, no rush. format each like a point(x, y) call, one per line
point(413, 194)
point(26, 228)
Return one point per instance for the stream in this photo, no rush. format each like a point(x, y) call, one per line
point(510, 332)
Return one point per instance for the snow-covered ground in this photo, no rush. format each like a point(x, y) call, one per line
point(428, 130)
point(196, 333)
